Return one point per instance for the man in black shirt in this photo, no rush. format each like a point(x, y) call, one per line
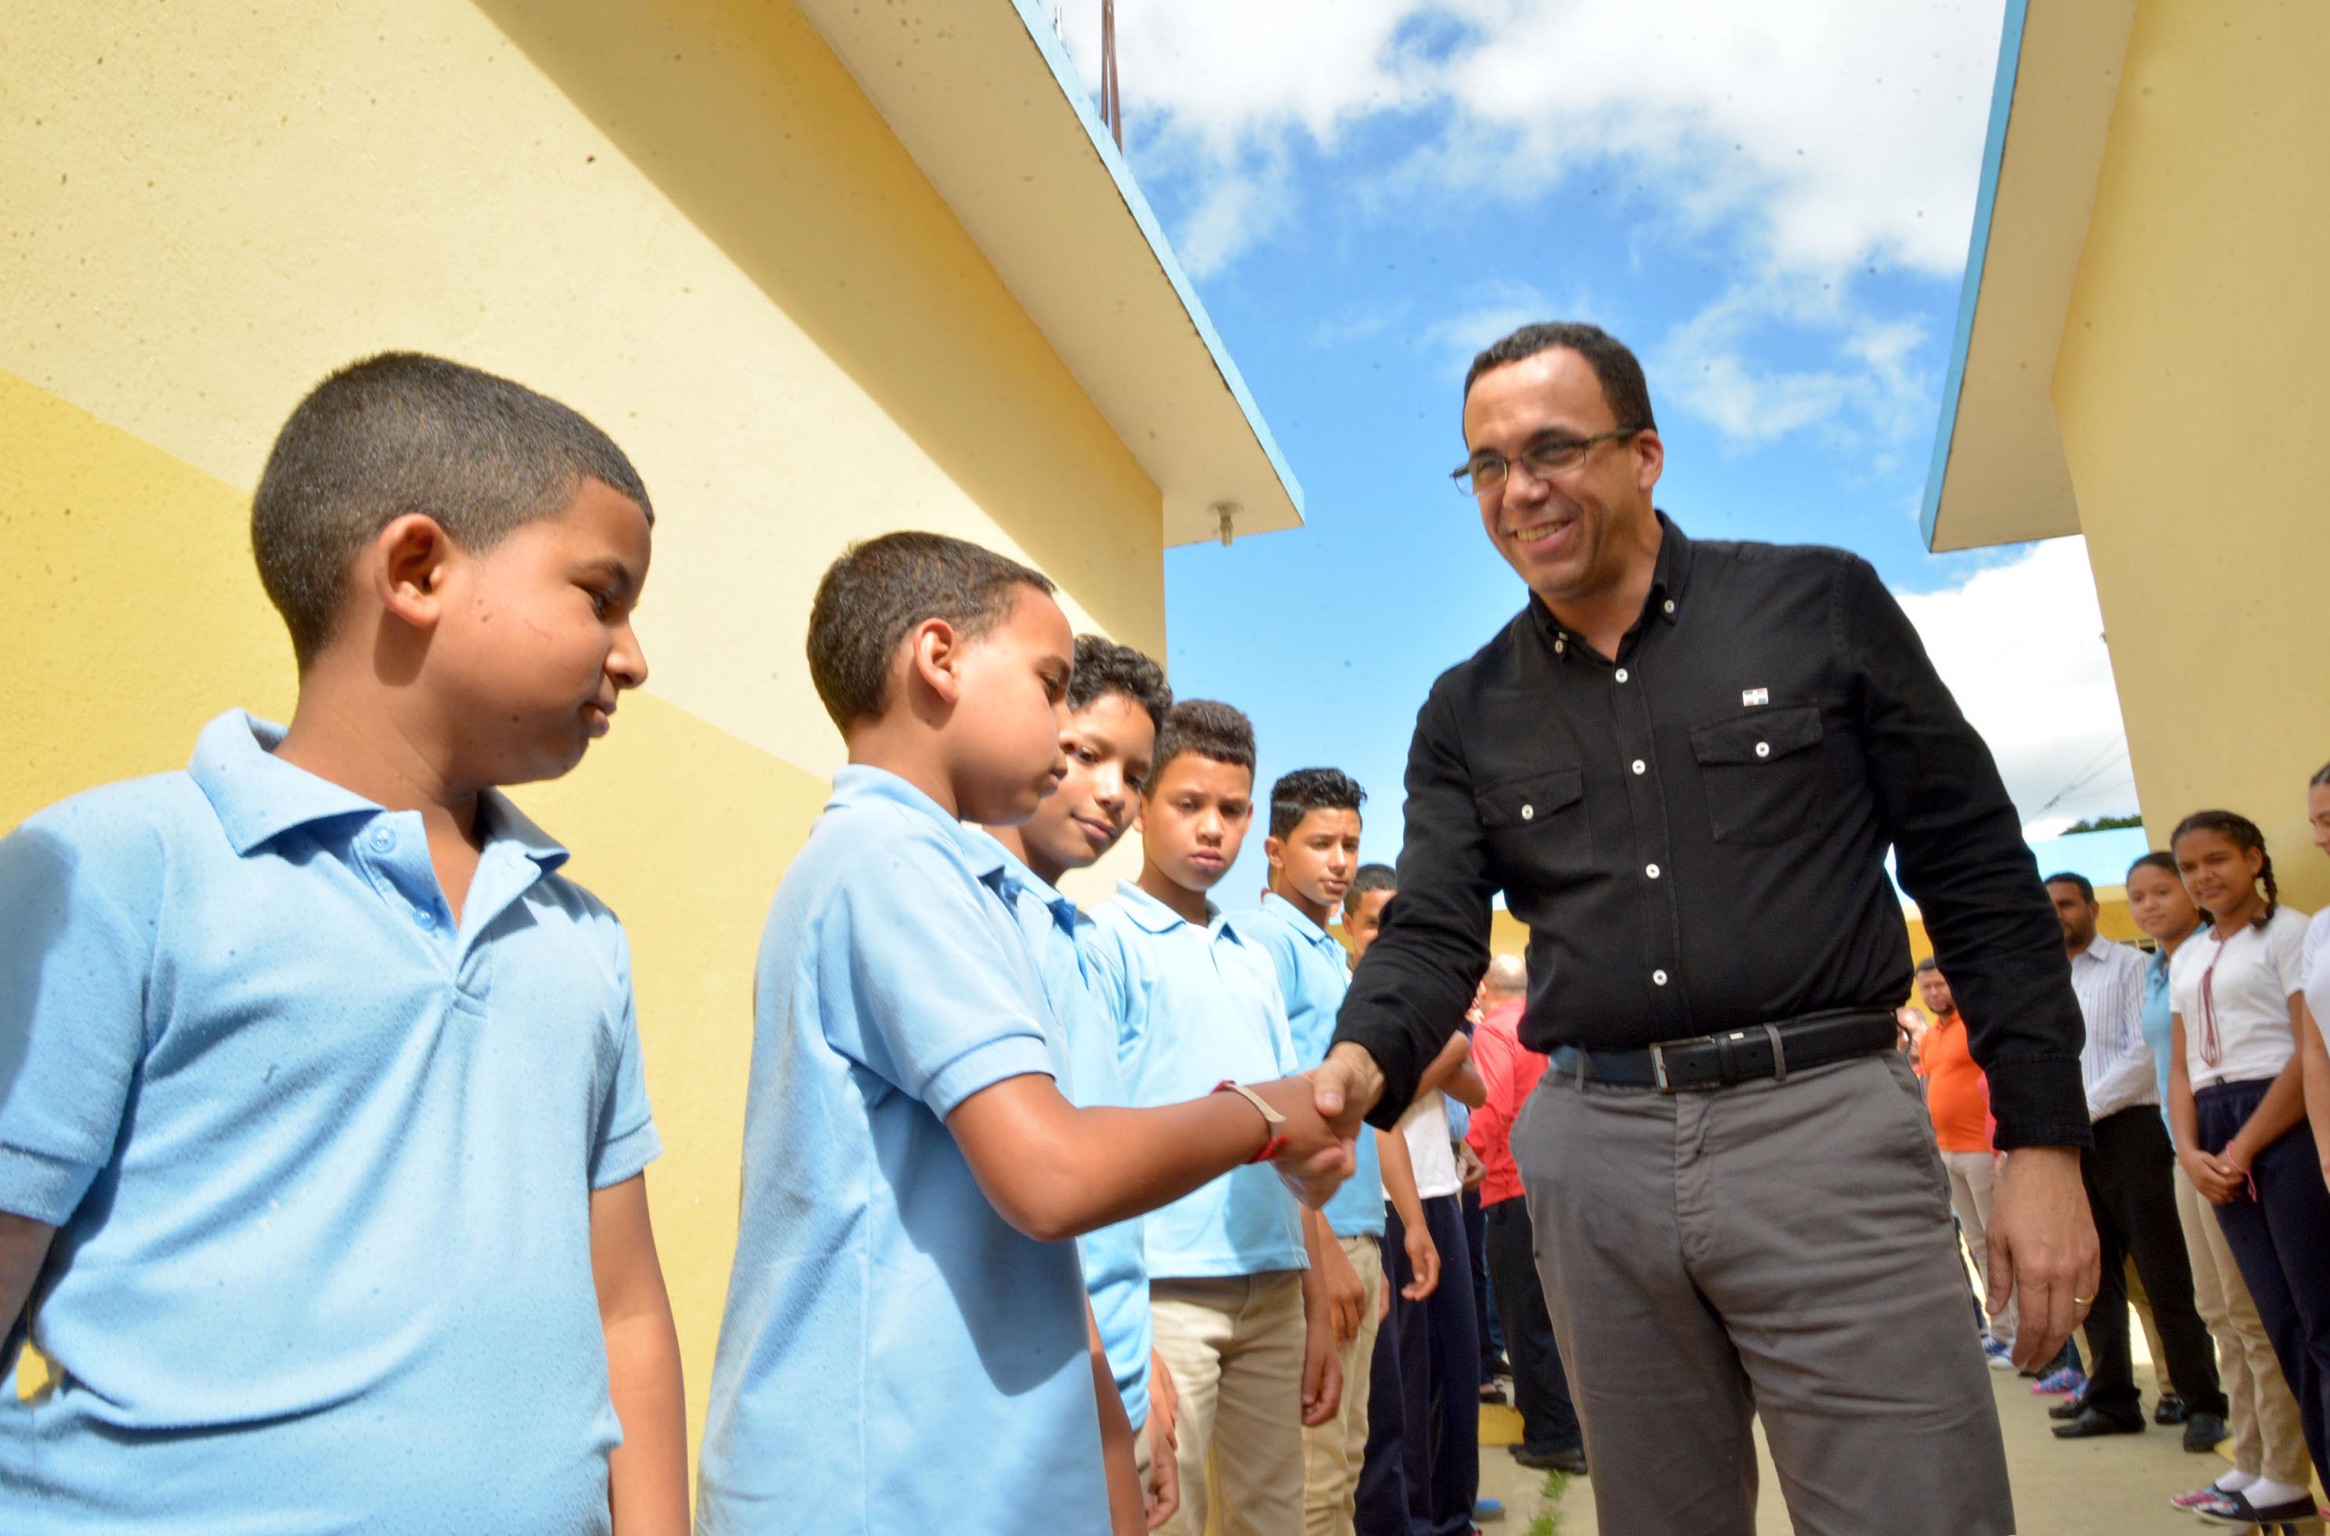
point(1683, 763)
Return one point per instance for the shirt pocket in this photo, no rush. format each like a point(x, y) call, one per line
point(1536, 826)
point(1761, 773)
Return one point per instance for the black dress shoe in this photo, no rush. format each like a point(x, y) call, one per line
point(2203, 1431)
point(2092, 1422)
point(2070, 1408)
point(2169, 1410)
point(1570, 1459)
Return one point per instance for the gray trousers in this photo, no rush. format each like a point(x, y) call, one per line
point(1774, 1249)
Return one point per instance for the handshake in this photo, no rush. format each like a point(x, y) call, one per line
point(1323, 1110)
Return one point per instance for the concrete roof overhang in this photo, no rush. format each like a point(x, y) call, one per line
point(1999, 475)
point(986, 100)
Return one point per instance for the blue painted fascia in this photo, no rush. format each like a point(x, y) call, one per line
point(1039, 28)
point(2010, 53)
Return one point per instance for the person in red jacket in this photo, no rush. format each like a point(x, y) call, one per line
point(1550, 1436)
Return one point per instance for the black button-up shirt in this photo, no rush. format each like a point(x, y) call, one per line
point(1695, 834)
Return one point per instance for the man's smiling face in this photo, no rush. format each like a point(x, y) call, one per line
point(1561, 533)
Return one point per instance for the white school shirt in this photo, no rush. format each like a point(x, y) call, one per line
point(2255, 972)
point(1430, 1147)
point(2317, 962)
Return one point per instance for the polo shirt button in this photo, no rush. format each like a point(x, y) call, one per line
point(1763, 749)
point(1651, 870)
point(1528, 812)
point(1622, 674)
point(1658, 978)
point(1640, 766)
point(383, 838)
point(425, 917)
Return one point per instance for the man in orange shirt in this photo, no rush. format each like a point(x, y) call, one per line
point(1958, 1098)
point(1550, 1436)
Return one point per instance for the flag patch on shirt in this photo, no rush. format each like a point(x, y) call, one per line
point(1749, 698)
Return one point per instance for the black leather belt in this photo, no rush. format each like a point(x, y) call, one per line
point(1707, 1062)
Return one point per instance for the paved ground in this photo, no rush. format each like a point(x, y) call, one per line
point(2116, 1486)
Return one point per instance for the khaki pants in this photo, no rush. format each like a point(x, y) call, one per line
point(1235, 1348)
point(1971, 1176)
point(1774, 1250)
point(2268, 1439)
point(1332, 1453)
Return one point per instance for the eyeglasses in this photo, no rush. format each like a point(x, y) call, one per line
point(1547, 459)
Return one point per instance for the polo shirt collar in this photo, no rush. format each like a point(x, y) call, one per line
point(864, 784)
point(1668, 580)
point(1015, 875)
point(1301, 920)
point(1152, 915)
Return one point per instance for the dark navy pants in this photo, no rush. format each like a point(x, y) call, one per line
point(1541, 1387)
point(2281, 1240)
point(1422, 1471)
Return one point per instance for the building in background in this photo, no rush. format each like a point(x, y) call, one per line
point(824, 269)
point(2140, 359)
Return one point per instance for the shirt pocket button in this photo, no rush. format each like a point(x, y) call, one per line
point(1529, 813)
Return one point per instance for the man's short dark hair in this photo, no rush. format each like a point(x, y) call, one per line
point(405, 432)
point(1208, 728)
point(1614, 364)
point(1929, 963)
point(2085, 886)
point(1103, 666)
point(1305, 790)
point(870, 599)
point(1371, 877)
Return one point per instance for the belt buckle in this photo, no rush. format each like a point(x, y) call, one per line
point(1658, 1066)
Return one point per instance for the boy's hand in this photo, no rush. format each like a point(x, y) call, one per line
point(1318, 1155)
point(1470, 1170)
point(1322, 1373)
point(1161, 1496)
point(1164, 1399)
point(1423, 1261)
point(1346, 1295)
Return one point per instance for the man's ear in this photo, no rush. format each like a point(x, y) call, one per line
point(934, 659)
point(1650, 459)
point(406, 564)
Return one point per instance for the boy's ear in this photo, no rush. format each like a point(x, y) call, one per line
point(407, 564)
point(1274, 849)
point(934, 658)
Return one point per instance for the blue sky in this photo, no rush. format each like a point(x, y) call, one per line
point(1770, 204)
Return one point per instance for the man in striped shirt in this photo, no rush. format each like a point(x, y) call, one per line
point(2131, 1189)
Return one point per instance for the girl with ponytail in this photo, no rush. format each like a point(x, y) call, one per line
point(2237, 1107)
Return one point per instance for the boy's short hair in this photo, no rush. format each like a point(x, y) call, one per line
point(1209, 729)
point(1103, 666)
point(1371, 877)
point(1305, 790)
point(872, 597)
point(2077, 882)
point(406, 432)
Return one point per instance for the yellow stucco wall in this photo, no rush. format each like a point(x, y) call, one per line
point(2192, 395)
point(680, 217)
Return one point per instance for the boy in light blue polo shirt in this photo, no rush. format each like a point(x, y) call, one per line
point(907, 1345)
point(1117, 698)
point(1313, 849)
point(321, 1117)
point(1239, 1317)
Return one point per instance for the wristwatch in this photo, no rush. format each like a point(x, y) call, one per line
point(1278, 1141)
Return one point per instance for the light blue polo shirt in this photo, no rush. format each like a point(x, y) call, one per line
point(319, 1158)
point(1116, 1276)
point(1193, 1006)
point(895, 1356)
point(1314, 971)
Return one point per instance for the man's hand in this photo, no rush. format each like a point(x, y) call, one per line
point(1322, 1373)
point(1346, 1294)
point(1345, 1087)
point(2043, 1250)
point(1161, 1494)
point(1423, 1262)
point(1319, 1153)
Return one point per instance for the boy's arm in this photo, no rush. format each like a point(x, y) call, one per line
point(1127, 1510)
point(24, 1243)
point(1399, 1187)
point(1455, 1054)
point(1345, 1294)
point(1322, 1351)
point(647, 1475)
point(1055, 1171)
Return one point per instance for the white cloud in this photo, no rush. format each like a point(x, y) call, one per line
point(1708, 364)
point(1830, 133)
point(2021, 645)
